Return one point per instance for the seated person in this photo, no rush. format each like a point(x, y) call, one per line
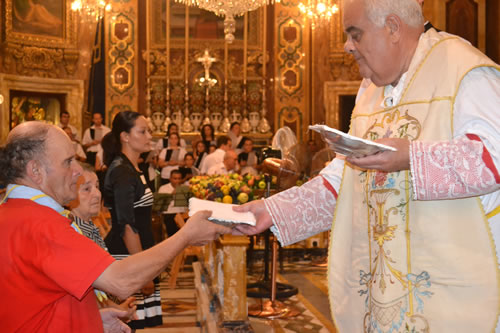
point(223, 145)
point(199, 152)
point(228, 165)
point(163, 142)
point(169, 214)
point(246, 146)
point(171, 158)
point(244, 167)
point(188, 170)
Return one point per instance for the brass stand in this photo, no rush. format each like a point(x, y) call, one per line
point(273, 309)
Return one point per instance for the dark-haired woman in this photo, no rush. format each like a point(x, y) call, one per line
point(246, 146)
point(163, 142)
point(129, 200)
point(208, 136)
point(199, 153)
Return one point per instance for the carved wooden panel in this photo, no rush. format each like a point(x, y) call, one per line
point(462, 19)
point(466, 18)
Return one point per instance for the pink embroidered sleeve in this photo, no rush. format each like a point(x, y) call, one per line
point(457, 169)
point(301, 212)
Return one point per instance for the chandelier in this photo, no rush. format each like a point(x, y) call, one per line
point(91, 9)
point(229, 9)
point(318, 11)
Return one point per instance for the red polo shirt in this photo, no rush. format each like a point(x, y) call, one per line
point(46, 272)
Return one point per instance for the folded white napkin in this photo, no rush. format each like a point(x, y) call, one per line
point(221, 213)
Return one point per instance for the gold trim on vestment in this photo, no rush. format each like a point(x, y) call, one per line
point(330, 245)
point(494, 212)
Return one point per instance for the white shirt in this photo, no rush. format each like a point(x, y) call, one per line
point(100, 132)
point(235, 140)
point(169, 189)
point(177, 155)
point(212, 159)
point(218, 169)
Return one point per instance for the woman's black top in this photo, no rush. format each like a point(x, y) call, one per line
point(129, 199)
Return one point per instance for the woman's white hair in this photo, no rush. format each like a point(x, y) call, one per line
point(409, 11)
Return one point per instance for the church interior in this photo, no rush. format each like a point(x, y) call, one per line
point(263, 64)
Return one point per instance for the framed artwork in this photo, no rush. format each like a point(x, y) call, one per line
point(40, 23)
point(27, 105)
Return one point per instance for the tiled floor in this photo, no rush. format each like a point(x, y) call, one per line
point(179, 305)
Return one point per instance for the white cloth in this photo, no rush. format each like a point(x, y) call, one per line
point(100, 132)
point(212, 159)
point(178, 157)
point(218, 169)
point(169, 189)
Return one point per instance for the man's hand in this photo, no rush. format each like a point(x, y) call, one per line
point(198, 230)
point(111, 321)
point(388, 161)
point(264, 221)
point(129, 306)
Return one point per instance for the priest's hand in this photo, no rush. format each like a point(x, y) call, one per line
point(264, 220)
point(388, 161)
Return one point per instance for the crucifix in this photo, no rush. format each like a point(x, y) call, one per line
point(207, 61)
point(207, 81)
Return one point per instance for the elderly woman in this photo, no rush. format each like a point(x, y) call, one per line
point(86, 206)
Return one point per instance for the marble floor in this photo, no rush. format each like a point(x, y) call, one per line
point(179, 304)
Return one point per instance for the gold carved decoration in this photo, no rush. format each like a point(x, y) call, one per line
point(342, 65)
point(39, 61)
point(40, 41)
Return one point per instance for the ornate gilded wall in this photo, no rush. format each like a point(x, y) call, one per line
point(291, 62)
point(46, 45)
point(121, 43)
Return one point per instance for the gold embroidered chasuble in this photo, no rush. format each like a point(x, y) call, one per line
point(401, 265)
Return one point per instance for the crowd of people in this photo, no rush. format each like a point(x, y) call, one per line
point(65, 179)
point(207, 154)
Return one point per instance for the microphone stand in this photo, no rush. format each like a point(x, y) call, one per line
point(272, 309)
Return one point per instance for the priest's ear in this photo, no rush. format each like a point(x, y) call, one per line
point(394, 25)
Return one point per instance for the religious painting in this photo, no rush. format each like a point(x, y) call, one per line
point(26, 106)
point(38, 17)
point(45, 23)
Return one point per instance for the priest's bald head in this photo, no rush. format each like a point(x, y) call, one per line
point(40, 156)
point(382, 35)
